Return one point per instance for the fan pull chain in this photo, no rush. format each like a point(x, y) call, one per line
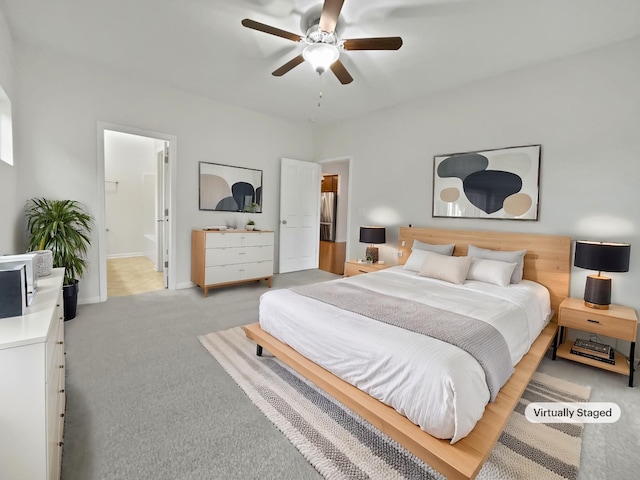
point(319, 91)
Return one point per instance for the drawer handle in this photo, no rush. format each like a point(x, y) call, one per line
point(592, 321)
point(62, 415)
point(59, 343)
point(61, 391)
point(60, 444)
point(363, 271)
point(61, 366)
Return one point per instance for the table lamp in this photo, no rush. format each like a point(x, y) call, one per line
point(603, 257)
point(372, 235)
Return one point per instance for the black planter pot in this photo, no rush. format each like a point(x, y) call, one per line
point(70, 297)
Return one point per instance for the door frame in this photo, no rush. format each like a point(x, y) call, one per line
point(170, 182)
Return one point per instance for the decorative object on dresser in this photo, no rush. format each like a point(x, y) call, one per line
point(13, 290)
point(500, 183)
point(32, 384)
point(372, 235)
point(29, 261)
point(220, 258)
point(43, 262)
point(355, 267)
point(603, 257)
point(251, 225)
point(616, 322)
point(225, 188)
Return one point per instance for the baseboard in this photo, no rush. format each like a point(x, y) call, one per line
point(185, 285)
point(87, 300)
point(125, 255)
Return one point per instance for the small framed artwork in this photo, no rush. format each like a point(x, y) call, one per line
point(494, 184)
point(225, 188)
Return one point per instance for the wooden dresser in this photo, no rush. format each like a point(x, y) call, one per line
point(220, 258)
point(32, 382)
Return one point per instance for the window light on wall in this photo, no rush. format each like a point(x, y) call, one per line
point(6, 129)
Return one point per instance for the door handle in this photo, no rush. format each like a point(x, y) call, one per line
point(160, 220)
point(284, 222)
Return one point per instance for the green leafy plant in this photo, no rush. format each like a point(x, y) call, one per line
point(251, 208)
point(251, 222)
point(64, 227)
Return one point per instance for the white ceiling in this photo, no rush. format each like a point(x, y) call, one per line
point(201, 47)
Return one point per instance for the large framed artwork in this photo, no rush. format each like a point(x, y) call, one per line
point(225, 188)
point(494, 184)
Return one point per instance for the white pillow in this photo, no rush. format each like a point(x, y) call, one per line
point(415, 260)
point(444, 267)
point(490, 271)
point(430, 247)
point(516, 257)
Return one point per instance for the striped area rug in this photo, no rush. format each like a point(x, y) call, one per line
point(341, 445)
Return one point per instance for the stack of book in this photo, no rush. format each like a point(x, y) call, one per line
point(594, 350)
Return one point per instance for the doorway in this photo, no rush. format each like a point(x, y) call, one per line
point(334, 214)
point(135, 232)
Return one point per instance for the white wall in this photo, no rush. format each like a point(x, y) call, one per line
point(584, 110)
point(11, 213)
point(60, 102)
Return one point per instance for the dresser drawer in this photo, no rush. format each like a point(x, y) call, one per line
point(230, 256)
point(238, 272)
point(217, 239)
point(600, 324)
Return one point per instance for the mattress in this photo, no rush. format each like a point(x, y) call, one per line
point(437, 386)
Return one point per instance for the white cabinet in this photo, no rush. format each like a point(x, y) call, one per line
point(220, 258)
point(32, 379)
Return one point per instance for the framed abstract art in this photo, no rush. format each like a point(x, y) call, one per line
point(494, 184)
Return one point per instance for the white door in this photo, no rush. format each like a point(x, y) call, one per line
point(299, 215)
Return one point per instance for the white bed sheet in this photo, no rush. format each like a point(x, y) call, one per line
point(436, 385)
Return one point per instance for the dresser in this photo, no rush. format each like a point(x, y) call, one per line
point(32, 379)
point(220, 258)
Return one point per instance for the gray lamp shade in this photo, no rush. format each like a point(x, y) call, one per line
point(603, 257)
point(373, 235)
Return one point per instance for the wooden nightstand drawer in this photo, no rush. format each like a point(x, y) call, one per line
point(610, 327)
point(353, 267)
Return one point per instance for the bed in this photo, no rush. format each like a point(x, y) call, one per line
point(462, 430)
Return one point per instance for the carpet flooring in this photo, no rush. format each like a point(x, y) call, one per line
point(341, 445)
point(145, 400)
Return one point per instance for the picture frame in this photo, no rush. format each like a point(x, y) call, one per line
point(501, 183)
point(227, 188)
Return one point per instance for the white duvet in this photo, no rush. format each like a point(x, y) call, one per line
point(436, 385)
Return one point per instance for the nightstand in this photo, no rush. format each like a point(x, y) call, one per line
point(353, 267)
point(616, 322)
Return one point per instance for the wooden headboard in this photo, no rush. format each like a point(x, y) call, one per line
point(548, 258)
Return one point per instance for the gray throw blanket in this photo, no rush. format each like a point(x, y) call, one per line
point(481, 340)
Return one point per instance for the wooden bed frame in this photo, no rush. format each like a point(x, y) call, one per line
point(547, 262)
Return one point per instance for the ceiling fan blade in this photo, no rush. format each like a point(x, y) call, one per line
point(261, 27)
point(294, 62)
point(341, 72)
point(381, 43)
point(330, 13)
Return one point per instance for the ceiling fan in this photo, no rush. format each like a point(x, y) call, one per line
point(323, 44)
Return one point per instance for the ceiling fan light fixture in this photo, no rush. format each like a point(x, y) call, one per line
point(321, 55)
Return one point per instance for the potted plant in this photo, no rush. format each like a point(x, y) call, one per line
point(250, 225)
point(64, 227)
